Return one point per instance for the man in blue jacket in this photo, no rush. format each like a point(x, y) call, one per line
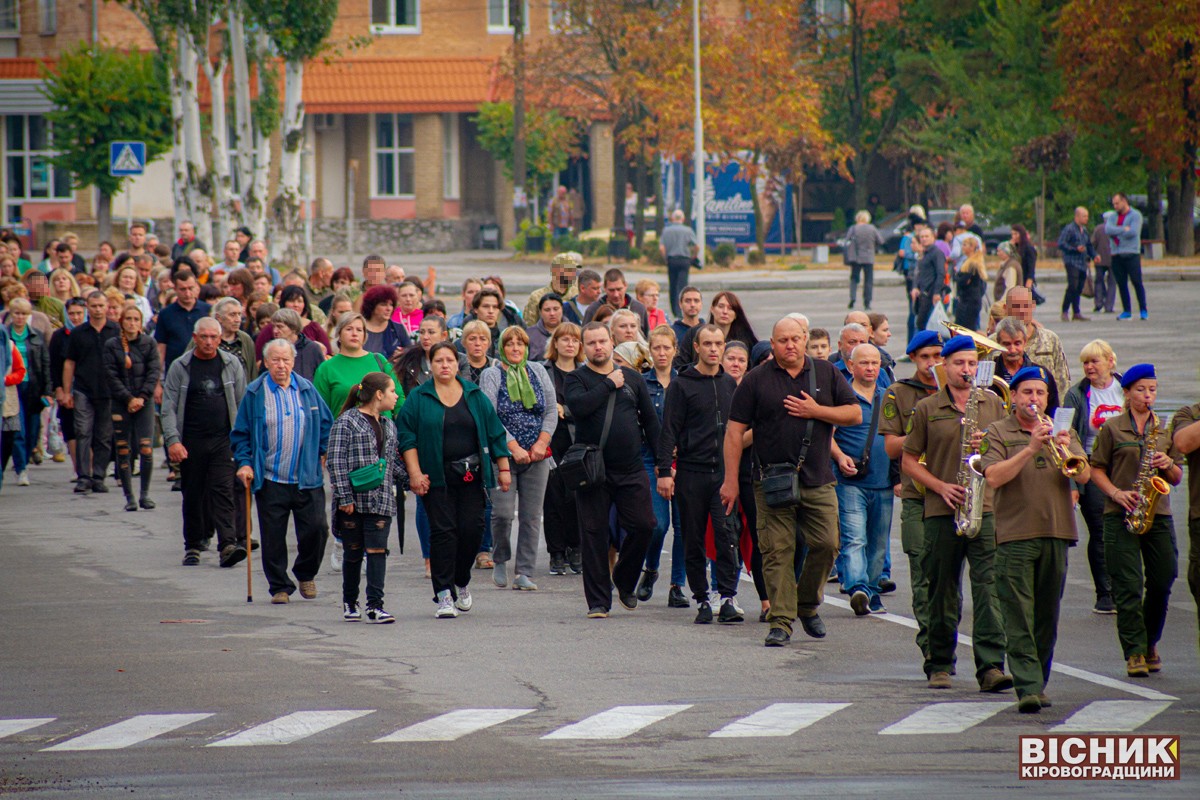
point(279, 443)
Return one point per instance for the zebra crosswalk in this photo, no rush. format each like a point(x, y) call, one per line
point(623, 722)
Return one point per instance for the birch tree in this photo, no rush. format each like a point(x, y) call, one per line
point(253, 122)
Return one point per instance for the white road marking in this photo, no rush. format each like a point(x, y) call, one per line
point(1111, 716)
point(616, 723)
point(455, 724)
point(8, 727)
point(290, 728)
point(945, 718)
point(129, 732)
point(779, 719)
point(965, 641)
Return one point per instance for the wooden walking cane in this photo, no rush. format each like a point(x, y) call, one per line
point(249, 551)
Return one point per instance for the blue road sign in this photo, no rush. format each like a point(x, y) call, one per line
point(126, 158)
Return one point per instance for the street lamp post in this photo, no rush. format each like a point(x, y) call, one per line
point(698, 155)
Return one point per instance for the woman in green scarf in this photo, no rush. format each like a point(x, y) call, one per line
point(523, 394)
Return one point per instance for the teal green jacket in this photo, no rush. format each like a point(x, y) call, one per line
point(419, 424)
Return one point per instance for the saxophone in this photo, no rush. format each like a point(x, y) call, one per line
point(968, 517)
point(1150, 486)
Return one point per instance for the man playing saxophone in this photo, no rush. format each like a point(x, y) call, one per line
point(1028, 466)
point(1131, 459)
point(936, 430)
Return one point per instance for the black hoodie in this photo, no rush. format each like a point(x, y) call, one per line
point(694, 417)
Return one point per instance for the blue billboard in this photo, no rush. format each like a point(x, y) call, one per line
point(728, 205)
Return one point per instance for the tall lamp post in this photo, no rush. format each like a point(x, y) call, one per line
point(698, 155)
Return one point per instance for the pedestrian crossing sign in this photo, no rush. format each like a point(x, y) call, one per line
point(126, 158)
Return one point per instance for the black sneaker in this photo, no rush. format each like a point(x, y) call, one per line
point(575, 560)
point(676, 599)
point(813, 626)
point(191, 558)
point(630, 601)
point(145, 502)
point(98, 487)
point(597, 612)
point(645, 587)
point(762, 616)
point(887, 586)
point(1104, 605)
point(730, 611)
point(558, 564)
point(177, 485)
point(232, 554)
point(130, 503)
point(83, 486)
point(704, 614)
point(379, 616)
point(777, 637)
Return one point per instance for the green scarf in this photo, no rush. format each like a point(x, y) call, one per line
point(520, 390)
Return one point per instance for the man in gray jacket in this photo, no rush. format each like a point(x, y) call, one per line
point(1124, 225)
point(200, 402)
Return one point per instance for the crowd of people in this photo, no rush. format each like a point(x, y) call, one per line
point(320, 398)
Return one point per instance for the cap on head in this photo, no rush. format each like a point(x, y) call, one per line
point(568, 259)
point(955, 344)
point(1030, 373)
point(1136, 373)
point(923, 339)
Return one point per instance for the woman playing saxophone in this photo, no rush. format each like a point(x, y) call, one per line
point(1134, 463)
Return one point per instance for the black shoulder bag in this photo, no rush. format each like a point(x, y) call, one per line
point(582, 466)
point(781, 482)
point(863, 462)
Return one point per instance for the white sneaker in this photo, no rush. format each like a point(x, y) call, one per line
point(335, 556)
point(379, 616)
point(22, 479)
point(464, 601)
point(445, 609)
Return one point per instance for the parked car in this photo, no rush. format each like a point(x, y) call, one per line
point(893, 228)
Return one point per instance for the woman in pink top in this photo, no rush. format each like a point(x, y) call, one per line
point(408, 310)
point(647, 292)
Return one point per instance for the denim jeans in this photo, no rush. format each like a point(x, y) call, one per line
point(422, 522)
point(865, 517)
point(666, 514)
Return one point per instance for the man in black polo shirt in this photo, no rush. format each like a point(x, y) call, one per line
point(173, 331)
point(85, 387)
point(626, 484)
point(780, 400)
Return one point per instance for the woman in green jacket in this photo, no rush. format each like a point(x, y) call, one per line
point(449, 436)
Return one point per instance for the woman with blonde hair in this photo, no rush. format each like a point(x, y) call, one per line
point(625, 327)
point(564, 353)
point(970, 285)
point(127, 280)
point(1096, 399)
point(133, 369)
point(63, 285)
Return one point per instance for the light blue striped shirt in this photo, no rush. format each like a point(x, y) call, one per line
point(285, 418)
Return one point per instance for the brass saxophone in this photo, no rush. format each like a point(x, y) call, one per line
point(968, 517)
point(1150, 486)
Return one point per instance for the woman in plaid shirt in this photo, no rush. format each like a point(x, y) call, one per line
point(360, 437)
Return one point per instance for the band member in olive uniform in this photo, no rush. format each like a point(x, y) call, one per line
point(1116, 459)
point(1035, 524)
point(935, 430)
point(1187, 439)
point(925, 350)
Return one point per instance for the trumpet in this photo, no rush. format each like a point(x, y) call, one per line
point(1064, 460)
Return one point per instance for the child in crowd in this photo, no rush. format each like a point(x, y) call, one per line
point(818, 343)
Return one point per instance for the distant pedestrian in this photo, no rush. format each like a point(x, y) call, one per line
point(861, 241)
point(133, 369)
point(86, 388)
point(1105, 284)
point(1124, 225)
point(279, 440)
point(1075, 246)
point(678, 246)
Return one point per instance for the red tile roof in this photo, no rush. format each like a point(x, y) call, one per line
point(22, 68)
point(402, 85)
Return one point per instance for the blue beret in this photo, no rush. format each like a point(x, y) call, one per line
point(1136, 373)
point(956, 343)
point(1032, 373)
point(924, 339)
point(759, 352)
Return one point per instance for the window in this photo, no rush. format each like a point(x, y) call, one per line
point(499, 19)
point(450, 182)
point(396, 16)
point(393, 163)
point(29, 175)
point(10, 19)
point(47, 17)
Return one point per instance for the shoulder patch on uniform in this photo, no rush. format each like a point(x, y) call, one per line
point(908, 425)
point(984, 446)
point(889, 410)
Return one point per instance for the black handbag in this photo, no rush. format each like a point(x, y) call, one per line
point(780, 483)
point(582, 466)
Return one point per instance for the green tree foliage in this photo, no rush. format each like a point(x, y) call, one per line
point(101, 95)
point(549, 141)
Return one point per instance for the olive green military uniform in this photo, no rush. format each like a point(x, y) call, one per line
point(1141, 606)
point(935, 429)
point(898, 407)
point(1035, 524)
point(1183, 418)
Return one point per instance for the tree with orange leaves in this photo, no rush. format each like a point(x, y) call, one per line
point(1135, 64)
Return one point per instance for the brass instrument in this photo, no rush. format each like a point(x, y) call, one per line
point(1150, 486)
point(984, 348)
point(968, 517)
point(1064, 460)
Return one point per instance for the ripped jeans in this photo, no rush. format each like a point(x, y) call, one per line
point(134, 433)
point(363, 533)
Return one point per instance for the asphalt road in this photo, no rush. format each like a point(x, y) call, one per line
point(103, 635)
